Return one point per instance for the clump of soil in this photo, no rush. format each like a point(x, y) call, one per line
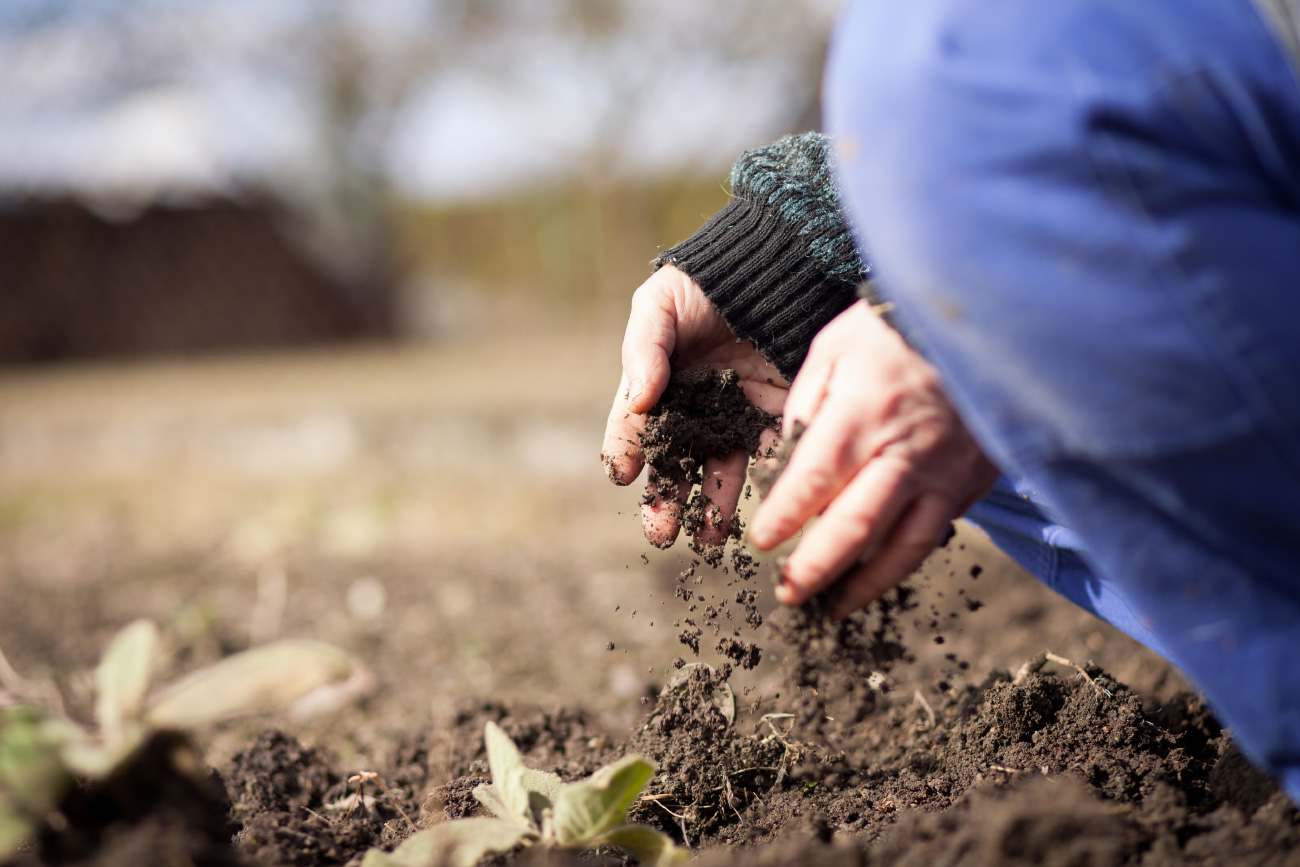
point(163, 807)
point(707, 773)
point(703, 413)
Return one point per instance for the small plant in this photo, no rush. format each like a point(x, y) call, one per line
point(535, 808)
point(42, 753)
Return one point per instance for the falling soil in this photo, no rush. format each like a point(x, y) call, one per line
point(864, 754)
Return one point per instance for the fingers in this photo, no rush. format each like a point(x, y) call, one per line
point(857, 521)
point(769, 442)
point(768, 396)
point(807, 393)
point(648, 341)
point(723, 480)
point(661, 519)
point(826, 458)
point(621, 449)
point(917, 535)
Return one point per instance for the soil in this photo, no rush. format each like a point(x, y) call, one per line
point(703, 413)
point(932, 729)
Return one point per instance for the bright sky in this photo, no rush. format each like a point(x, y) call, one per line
point(147, 98)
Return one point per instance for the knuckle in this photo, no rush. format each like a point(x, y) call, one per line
point(803, 575)
point(816, 483)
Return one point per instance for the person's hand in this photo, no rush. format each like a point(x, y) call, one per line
point(885, 461)
point(672, 319)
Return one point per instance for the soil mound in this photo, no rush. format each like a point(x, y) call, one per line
point(1058, 765)
point(162, 808)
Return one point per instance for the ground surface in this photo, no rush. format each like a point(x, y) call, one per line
point(442, 514)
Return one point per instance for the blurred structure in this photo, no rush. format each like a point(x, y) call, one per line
point(168, 280)
point(180, 177)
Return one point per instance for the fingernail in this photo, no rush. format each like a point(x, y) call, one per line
point(634, 390)
point(785, 593)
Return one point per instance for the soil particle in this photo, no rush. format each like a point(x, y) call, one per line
point(745, 654)
point(836, 663)
point(275, 773)
point(277, 838)
point(1028, 822)
point(690, 637)
point(707, 773)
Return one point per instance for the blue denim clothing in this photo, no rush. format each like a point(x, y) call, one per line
point(1088, 214)
point(1016, 520)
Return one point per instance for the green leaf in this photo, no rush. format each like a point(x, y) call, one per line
point(507, 768)
point(123, 678)
point(544, 783)
point(648, 845)
point(260, 680)
point(32, 775)
point(460, 843)
point(489, 795)
point(599, 803)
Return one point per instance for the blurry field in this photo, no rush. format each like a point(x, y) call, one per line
point(454, 494)
point(439, 510)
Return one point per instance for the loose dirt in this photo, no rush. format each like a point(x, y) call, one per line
point(703, 413)
point(859, 742)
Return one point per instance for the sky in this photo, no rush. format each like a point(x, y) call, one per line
point(445, 100)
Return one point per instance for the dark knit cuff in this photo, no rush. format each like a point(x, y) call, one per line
point(764, 279)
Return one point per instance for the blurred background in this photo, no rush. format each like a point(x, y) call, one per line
point(180, 176)
point(310, 314)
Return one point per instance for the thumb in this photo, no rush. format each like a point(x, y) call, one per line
point(648, 343)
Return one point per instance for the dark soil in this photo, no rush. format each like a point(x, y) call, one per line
point(162, 808)
point(872, 746)
point(703, 413)
point(1051, 765)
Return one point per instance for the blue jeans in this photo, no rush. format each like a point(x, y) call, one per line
point(1088, 214)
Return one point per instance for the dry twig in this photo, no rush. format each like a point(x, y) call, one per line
point(364, 777)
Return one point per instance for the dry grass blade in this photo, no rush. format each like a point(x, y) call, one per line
point(260, 680)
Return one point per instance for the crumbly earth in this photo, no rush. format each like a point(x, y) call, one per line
point(703, 413)
point(980, 750)
point(1051, 765)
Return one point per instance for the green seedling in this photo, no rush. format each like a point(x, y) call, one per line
point(535, 808)
point(42, 753)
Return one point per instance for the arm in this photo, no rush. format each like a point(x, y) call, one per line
point(779, 261)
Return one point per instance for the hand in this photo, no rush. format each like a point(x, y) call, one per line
point(670, 314)
point(884, 460)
